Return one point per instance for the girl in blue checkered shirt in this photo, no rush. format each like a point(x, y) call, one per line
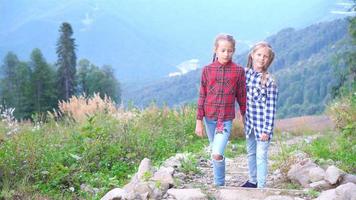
point(261, 108)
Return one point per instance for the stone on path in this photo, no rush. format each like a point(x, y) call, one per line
point(116, 193)
point(348, 178)
point(256, 194)
point(299, 173)
point(279, 197)
point(187, 194)
point(343, 192)
point(321, 185)
point(316, 174)
point(333, 174)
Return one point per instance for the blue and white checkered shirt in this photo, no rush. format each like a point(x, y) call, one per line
point(261, 104)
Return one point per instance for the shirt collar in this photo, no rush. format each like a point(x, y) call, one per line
point(251, 71)
point(216, 63)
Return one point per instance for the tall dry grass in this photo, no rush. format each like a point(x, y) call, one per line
point(79, 108)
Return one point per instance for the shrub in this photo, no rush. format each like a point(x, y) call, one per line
point(343, 112)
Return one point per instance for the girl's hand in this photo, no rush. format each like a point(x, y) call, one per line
point(243, 119)
point(199, 128)
point(264, 137)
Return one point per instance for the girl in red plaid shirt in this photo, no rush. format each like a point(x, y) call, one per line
point(222, 83)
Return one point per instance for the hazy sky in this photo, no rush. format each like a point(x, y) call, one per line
point(152, 35)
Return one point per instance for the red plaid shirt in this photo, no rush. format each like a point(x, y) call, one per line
point(219, 87)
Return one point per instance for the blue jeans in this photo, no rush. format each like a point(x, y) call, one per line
point(257, 160)
point(217, 144)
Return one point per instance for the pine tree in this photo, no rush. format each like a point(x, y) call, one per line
point(83, 71)
point(111, 85)
point(66, 62)
point(24, 107)
point(8, 81)
point(93, 79)
point(43, 83)
point(15, 86)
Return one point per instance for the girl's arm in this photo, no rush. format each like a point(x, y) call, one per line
point(199, 128)
point(201, 100)
point(241, 92)
point(202, 95)
point(270, 108)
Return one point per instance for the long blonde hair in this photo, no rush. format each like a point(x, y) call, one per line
point(223, 36)
point(258, 45)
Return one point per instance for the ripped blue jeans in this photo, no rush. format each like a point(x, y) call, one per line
point(218, 143)
point(257, 154)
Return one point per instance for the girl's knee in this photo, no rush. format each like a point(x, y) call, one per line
point(217, 157)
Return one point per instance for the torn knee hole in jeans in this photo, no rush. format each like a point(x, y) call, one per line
point(217, 157)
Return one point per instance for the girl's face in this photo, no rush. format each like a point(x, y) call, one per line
point(224, 51)
point(260, 58)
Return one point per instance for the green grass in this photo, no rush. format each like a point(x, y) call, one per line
point(339, 148)
point(312, 193)
point(190, 165)
point(235, 147)
point(293, 186)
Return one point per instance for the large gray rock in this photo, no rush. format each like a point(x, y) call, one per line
point(279, 197)
point(145, 170)
point(143, 188)
point(343, 192)
point(328, 195)
point(187, 194)
point(321, 185)
point(144, 173)
point(240, 193)
point(115, 194)
point(164, 176)
point(132, 184)
point(316, 174)
point(299, 173)
point(333, 174)
point(346, 191)
point(348, 178)
point(146, 184)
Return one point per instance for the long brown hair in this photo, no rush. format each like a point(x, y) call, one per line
point(223, 36)
point(258, 45)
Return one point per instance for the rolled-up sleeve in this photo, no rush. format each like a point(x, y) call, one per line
point(241, 92)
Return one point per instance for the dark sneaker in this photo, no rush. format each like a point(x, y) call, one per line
point(249, 185)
